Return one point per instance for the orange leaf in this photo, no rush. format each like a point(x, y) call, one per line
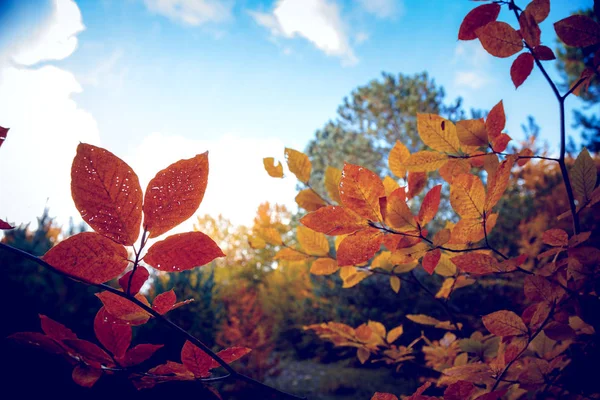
point(498, 183)
point(425, 161)
point(324, 266)
point(521, 68)
point(500, 39)
point(500, 142)
point(276, 171)
point(505, 323)
point(114, 335)
point(164, 302)
point(196, 360)
point(476, 263)
point(416, 183)
point(539, 9)
point(398, 155)
point(556, 237)
point(398, 215)
point(174, 194)
point(383, 396)
point(138, 354)
point(472, 133)
point(430, 260)
point(438, 133)
point(309, 200)
point(139, 278)
point(429, 206)
point(578, 31)
point(230, 355)
point(299, 164)
point(106, 193)
point(476, 18)
point(529, 29)
point(360, 190)
point(334, 220)
point(86, 376)
point(455, 167)
point(182, 252)
point(359, 247)
point(288, 254)
point(89, 256)
point(124, 309)
point(333, 176)
point(496, 120)
point(467, 196)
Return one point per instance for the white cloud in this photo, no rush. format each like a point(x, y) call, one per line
point(237, 180)
point(317, 21)
point(54, 40)
point(192, 12)
point(469, 79)
point(382, 8)
point(45, 122)
point(471, 64)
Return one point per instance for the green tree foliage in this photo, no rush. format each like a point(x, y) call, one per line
point(572, 61)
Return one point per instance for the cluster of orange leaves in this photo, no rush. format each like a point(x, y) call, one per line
point(523, 352)
point(107, 193)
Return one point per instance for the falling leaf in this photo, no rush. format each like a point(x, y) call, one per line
point(276, 171)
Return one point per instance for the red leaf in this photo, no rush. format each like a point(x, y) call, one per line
point(431, 260)
point(124, 309)
point(86, 376)
point(538, 288)
point(90, 352)
point(39, 340)
point(504, 323)
point(359, 247)
point(230, 355)
point(529, 29)
point(139, 354)
point(3, 134)
point(196, 360)
point(334, 220)
point(539, 9)
point(429, 206)
point(495, 395)
point(475, 263)
point(459, 391)
point(114, 335)
point(56, 330)
point(360, 190)
point(500, 142)
point(174, 194)
point(500, 39)
point(544, 53)
point(496, 120)
point(164, 302)
point(88, 256)
point(578, 31)
point(384, 396)
point(476, 18)
point(139, 278)
point(556, 237)
point(182, 252)
point(521, 68)
point(107, 193)
point(416, 182)
point(5, 225)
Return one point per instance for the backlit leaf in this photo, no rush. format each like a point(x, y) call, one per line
point(174, 194)
point(472, 133)
point(538, 288)
point(438, 133)
point(521, 68)
point(124, 309)
point(334, 220)
point(114, 335)
point(539, 9)
point(90, 352)
point(324, 266)
point(138, 354)
point(196, 360)
point(333, 176)
point(476, 18)
point(289, 254)
point(496, 120)
point(583, 175)
point(139, 278)
point(299, 164)
point(360, 190)
point(498, 183)
point(312, 242)
point(416, 183)
point(56, 330)
point(309, 200)
point(398, 214)
point(164, 302)
point(467, 196)
point(359, 247)
point(106, 193)
point(476, 263)
point(500, 39)
point(390, 185)
point(230, 355)
point(425, 161)
point(544, 53)
point(430, 260)
point(453, 168)
point(395, 283)
point(505, 323)
point(352, 277)
point(429, 206)
point(90, 256)
point(398, 155)
point(182, 251)
point(459, 391)
point(5, 225)
point(384, 396)
point(578, 31)
point(394, 334)
point(276, 171)
point(556, 237)
point(529, 29)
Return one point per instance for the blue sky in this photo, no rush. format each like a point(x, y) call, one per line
point(157, 80)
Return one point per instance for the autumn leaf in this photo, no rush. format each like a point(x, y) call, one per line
point(429, 206)
point(106, 193)
point(3, 134)
point(578, 31)
point(182, 251)
point(472, 133)
point(430, 260)
point(88, 256)
point(454, 167)
point(398, 155)
point(438, 133)
point(476, 18)
point(505, 323)
point(539, 9)
point(583, 175)
point(334, 220)
point(459, 390)
point(476, 263)
point(333, 176)
point(174, 194)
point(521, 68)
point(394, 334)
point(500, 142)
point(56, 330)
point(299, 164)
point(395, 283)
point(124, 309)
point(309, 200)
point(529, 29)
point(425, 161)
point(538, 288)
point(500, 39)
point(498, 183)
point(139, 278)
point(384, 396)
point(276, 171)
point(544, 53)
point(360, 190)
point(324, 266)
point(289, 254)
point(196, 360)
point(138, 354)
point(86, 376)
point(398, 215)
point(230, 355)
point(359, 247)
point(314, 243)
point(556, 237)
point(496, 120)
point(38, 340)
point(164, 302)
point(5, 225)
point(114, 335)
point(89, 352)
point(467, 196)
point(352, 277)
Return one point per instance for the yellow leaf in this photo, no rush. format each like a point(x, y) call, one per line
point(288, 254)
point(309, 200)
point(472, 133)
point(467, 196)
point(395, 283)
point(398, 215)
point(382, 260)
point(394, 334)
point(324, 266)
point(425, 161)
point(446, 288)
point(276, 171)
point(390, 185)
point(269, 235)
point(423, 319)
point(438, 133)
point(333, 176)
point(583, 175)
point(360, 190)
point(257, 242)
point(351, 276)
point(314, 243)
point(299, 164)
point(398, 155)
point(453, 168)
point(445, 266)
point(378, 328)
point(363, 355)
